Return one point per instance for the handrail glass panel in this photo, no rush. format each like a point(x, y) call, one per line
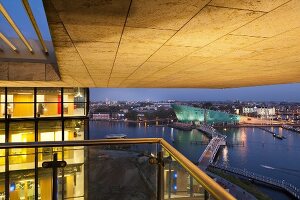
point(110, 169)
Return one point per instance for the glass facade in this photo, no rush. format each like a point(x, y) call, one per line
point(74, 102)
point(41, 114)
point(20, 103)
point(22, 131)
point(48, 102)
point(192, 114)
point(42, 102)
point(74, 129)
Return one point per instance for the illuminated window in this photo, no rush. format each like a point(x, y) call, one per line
point(50, 131)
point(75, 156)
point(74, 102)
point(21, 173)
point(20, 102)
point(2, 151)
point(21, 161)
point(74, 129)
point(48, 102)
point(22, 131)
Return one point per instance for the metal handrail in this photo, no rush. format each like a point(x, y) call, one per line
point(208, 183)
point(12, 145)
point(294, 191)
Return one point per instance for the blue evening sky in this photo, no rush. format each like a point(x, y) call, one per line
point(286, 92)
point(17, 12)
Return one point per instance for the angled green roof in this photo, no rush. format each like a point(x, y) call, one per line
point(189, 113)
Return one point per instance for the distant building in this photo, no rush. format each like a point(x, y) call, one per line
point(267, 112)
point(237, 111)
point(124, 110)
point(101, 116)
point(260, 111)
point(118, 116)
point(141, 116)
point(145, 108)
point(164, 105)
point(249, 110)
point(192, 114)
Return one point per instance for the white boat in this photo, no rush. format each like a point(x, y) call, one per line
point(116, 136)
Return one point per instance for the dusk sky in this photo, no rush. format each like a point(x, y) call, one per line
point(18, 13)
point(287, 92)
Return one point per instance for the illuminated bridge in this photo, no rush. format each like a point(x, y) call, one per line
point(192, 114)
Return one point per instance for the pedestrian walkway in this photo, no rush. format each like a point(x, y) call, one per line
point(212, 148)
point(283, 185)
point(235, 190)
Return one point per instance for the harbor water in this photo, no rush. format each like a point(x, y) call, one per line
point(250, 148)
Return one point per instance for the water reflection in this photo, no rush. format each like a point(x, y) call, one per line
point(243, 135)
point(280, 131)
point(262, 149)
point(259, 148)
point(225, 154)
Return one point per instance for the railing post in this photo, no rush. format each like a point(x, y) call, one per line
point(54, 165)
point(55, 182)
point(160, 176)
point(169, 182)
point(206, 195)
point(191, 187)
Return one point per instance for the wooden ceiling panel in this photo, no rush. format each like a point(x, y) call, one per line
point(210, 24)
point(173, 43)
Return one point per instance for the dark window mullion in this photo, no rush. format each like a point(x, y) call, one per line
point(63, 138)
point(62, 114)
point(6, 150)
point(36, 138)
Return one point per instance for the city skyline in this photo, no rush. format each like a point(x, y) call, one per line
point(283, 92)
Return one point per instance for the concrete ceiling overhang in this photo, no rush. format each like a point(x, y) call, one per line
point(175, 43)
point(26, 50)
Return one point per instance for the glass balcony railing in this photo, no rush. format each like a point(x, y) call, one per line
point(145, 168)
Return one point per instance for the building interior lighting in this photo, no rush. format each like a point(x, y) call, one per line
point(24, 93)
point(78, 94)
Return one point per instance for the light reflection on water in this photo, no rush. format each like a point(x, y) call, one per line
point(225, 154)
point(264, 154)
point(260, 149)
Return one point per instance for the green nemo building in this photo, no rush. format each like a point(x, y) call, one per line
point(192, 114)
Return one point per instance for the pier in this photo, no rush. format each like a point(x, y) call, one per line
point(182, 126)
point(276, 135)
point(267, 130)
point(291, 128)
point(209, 131)
point(280, 184)
point(199, 142)
point(212, 148)
point(245, 125)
